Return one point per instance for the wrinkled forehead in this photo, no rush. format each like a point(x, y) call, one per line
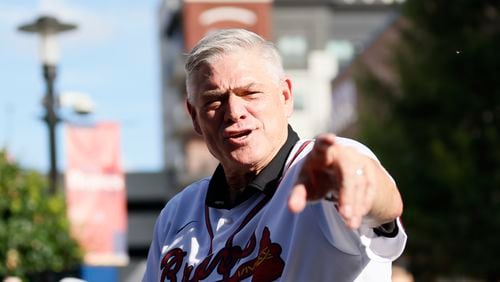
point(202, 72)
point(223, 75)
point(206, 69)
point(237, 67)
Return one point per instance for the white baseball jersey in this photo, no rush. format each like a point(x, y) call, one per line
point(198, 238)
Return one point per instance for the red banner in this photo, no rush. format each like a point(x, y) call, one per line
point(95, 193)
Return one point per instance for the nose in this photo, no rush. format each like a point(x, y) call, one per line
point(235, 108)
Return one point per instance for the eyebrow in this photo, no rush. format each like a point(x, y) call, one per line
point(217, 92)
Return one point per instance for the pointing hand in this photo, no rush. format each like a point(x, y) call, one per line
point(339, 172)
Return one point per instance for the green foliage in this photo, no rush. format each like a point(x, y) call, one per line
point(34, 229)
point(439, 135)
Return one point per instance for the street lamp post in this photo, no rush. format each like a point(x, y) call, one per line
point(48, 28)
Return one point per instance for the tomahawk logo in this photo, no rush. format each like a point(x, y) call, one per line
point(266, 266)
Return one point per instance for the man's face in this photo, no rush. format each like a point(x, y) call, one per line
point(241, 109)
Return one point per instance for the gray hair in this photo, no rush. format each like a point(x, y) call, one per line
point(224, 41)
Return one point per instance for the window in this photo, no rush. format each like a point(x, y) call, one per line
point(343, 50)
point(293, 49)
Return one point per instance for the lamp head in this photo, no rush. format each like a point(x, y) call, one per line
point(47, 27)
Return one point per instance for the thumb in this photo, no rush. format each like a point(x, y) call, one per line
point(298, 198)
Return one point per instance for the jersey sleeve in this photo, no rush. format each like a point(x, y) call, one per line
point(376, 247)
point(364, 239)
point(381, 248)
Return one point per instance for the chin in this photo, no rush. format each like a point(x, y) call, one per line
point(246, 157)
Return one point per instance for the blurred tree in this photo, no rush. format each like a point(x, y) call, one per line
point(35, 240)
point(438, 132)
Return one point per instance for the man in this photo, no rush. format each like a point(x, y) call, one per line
point(276, 208)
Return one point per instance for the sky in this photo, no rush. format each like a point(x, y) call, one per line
point(112, 57)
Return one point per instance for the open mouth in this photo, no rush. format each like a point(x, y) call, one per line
point(237, 135)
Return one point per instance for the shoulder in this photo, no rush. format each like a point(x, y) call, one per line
point(195, 191)
point(304, 146)
point(360, 147)
point(190, 197)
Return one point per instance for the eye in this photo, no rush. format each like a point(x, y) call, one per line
point(213, 103)
point(252, 93)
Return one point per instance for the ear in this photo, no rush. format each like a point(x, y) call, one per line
point(192, 112)
point(286, 88)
